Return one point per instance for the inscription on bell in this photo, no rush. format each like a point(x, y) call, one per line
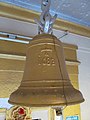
point(45, 58)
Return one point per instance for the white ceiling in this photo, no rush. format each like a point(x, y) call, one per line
point(77, 11)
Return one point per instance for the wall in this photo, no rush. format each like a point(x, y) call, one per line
point(83, 44)
point(2, 116)
point(40, 114)
point(84, 77)
point(2, 113)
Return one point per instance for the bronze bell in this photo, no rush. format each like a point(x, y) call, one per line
point(45, 80)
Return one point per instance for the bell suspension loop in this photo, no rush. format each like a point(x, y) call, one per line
point(46, 20)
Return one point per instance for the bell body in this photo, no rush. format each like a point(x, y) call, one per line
point(45, 81)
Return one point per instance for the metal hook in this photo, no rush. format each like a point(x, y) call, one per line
point(46, 21)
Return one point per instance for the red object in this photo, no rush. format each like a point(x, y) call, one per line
point(21, 111)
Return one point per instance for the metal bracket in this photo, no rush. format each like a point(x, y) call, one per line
point(12, 36)
point(46, 20)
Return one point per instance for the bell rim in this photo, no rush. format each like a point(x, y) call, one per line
point(47, 105)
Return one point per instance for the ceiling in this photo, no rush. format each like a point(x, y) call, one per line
point(77, 11)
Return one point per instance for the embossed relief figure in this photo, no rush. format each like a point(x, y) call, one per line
point(45, 58)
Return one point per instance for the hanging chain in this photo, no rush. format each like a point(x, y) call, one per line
point(46, 20)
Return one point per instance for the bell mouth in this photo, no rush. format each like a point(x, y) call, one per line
point(44, 105)
point(45, 99)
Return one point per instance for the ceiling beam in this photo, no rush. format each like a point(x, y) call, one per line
point(14, 12)
point(13, 48)
point(23, 58)
point(16, 48)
